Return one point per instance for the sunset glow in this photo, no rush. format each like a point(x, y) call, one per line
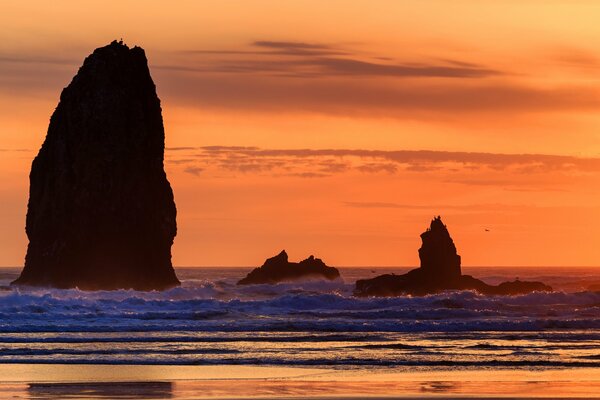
point(339, 128)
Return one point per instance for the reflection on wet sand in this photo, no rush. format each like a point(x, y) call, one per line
point(439, 387)
point(267, 389)
point(101, 390)
point(278, 389)
point(236, 382)
point(300, 389)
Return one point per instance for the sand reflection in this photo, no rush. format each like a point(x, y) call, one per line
point(101, 390)
point(218, 382)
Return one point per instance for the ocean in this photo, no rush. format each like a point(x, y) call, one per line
point(210, 320)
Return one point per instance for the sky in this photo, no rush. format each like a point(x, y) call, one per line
point(339, 128)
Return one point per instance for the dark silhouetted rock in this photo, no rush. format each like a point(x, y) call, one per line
point(518, 287)
point(101, 213)
point(279, 269)
point(438, 253)
point(440, 271)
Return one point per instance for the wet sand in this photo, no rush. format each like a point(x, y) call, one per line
point(45, 381)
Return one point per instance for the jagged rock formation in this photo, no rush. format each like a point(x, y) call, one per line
point(101, 213)
point(440, 271)
point(438, 253)
point(279, 269)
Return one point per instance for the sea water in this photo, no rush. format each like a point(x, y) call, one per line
point(210, 320)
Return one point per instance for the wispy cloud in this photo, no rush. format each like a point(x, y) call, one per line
point(193, 170)
point(23, 74)
point(375, 167)
point(26, 59)
point(497, 160)
point(467, 207)
point(270, 48)
point(465, 168)
point(576, 57)
point(269, 76)
point(15, 150)
point(344, 95)
point(287, 48)
point(301, 59)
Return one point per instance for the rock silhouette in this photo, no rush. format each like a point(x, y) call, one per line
point(279, 269)
point(101, 213)
point(438, 253)
point(440, 271)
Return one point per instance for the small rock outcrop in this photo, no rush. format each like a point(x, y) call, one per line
point(279, 269)
point(440, 271)
point(101, 213)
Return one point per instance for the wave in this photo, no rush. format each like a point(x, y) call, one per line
point(371, 362)
point(63, 338)
point(211, 321)
point(315, 306)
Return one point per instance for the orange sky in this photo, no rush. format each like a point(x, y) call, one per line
point(339, 128)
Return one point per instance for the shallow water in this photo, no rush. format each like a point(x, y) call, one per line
point(211, 321)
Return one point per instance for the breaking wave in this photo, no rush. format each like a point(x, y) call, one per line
point(316, 306)
point(213, 321)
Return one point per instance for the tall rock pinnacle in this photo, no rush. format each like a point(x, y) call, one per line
point(101, 213)
point(439, 271)
point(438, 252)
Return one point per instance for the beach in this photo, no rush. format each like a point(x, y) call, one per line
point(213, 339)
point(229, 382)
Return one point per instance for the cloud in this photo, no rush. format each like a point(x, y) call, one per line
point(179, 148)
point(333, 166)
point(308, 175)
point(269, 76)
point(342, 66)
point(290, 46)
point(300, 59)
point(498, 160)
point(193, 170)
point(26, 59)
point(15, 150)
point(468, 207)
point(472, 181)
point(378, 167)
point(518, 184)
point(228, 149)
point(576, 57)
point(326, 162)
point(298, 48)
point(26, 75)
point(181, 161)
point(348, 96)
point(271, 48)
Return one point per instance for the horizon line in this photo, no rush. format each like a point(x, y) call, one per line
point(403, 266)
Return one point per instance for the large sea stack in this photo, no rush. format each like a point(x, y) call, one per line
point(101, 213)
point(440, 271)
